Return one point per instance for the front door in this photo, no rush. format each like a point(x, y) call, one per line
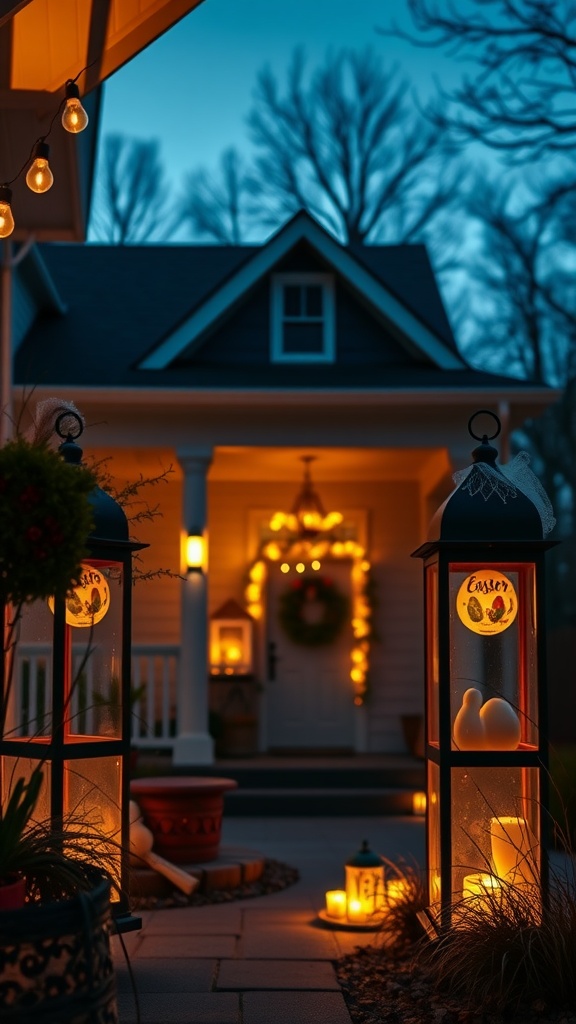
point(310, 698)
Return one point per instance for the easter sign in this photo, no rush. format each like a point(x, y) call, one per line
point(487, 602)
point(88, 601)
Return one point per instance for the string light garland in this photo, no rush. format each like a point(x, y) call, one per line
point(39, 176)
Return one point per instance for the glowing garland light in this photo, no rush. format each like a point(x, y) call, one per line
point(273, 552)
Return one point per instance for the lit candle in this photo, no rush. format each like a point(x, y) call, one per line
point(419, 803)
point(482, 888)
point(395, 889)
point(336, 903)
point(356, 912)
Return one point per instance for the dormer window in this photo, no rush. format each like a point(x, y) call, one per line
point(302, 318)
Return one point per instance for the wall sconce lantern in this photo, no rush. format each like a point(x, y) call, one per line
point(195, 551)
point(231, 641)
point(486, 751)
point(69, 708)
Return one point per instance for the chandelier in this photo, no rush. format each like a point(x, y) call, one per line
point(307, 520)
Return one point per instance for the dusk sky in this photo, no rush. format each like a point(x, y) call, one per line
point(192, 88)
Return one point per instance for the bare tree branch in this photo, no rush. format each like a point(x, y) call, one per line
point(130, 203)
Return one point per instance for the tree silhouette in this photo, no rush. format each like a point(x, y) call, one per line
point(521, 98)
point(130, 199)
point(218, 205)
point(345, 144)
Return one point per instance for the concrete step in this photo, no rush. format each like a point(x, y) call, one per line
point(317, 802)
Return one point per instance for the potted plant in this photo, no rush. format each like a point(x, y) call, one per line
point(54, 950)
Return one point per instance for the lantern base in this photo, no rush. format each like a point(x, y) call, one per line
point(373, 925)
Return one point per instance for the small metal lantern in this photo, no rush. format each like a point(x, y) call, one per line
point(486, 752)
point(231, 641)
point(364, 884)
point(70, 705)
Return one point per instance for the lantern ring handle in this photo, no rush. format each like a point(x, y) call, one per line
point(484, 412)
point(68, 435)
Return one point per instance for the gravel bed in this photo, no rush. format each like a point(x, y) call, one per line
point(388, 986)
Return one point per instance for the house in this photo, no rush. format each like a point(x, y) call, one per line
point(256, 373)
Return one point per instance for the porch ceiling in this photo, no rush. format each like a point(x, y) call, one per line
point(244, 463)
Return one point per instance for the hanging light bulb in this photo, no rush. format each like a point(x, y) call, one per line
point(6, 218)
point(39, 177)
point(74, 117)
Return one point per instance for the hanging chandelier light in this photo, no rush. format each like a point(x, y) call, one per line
point(307, 520)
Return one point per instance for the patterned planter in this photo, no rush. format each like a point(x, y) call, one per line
point(184, 814)
point(55, 962)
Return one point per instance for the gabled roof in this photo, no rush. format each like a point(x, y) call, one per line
point(416, 323)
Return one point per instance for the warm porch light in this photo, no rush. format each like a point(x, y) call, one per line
point(39, 177)
point(195, 551)
point(6, 218)
point(74, 117)
point(486, 702)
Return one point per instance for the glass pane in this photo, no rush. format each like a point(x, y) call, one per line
point(434, 882)
point(29, 710)
point(304, 338)
point(92, 788)
point(495, 826)
point(493, 657)
point(95, 707)
point(313, 293)
point(292, 300)
point(432, 666)
point(14, 768)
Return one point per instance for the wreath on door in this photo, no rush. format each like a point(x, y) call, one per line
point(313, 612)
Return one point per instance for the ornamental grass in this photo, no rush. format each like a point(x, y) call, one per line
point(507, 952)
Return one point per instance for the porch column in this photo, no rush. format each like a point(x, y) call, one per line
point(194, 745)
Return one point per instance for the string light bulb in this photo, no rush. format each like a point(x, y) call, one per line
point(6, 218)
point(74, 117)
point(39, 177)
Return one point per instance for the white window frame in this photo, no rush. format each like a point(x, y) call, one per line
point(277, 319)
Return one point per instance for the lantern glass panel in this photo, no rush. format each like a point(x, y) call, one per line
point(434, 858)
point(22, 767)
point(96, 639)
point(92, 788)
point(493, 650)
point(432, 660)
point(29, 711)
point(495, 824)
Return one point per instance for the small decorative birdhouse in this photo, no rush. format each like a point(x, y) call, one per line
point(486, 751)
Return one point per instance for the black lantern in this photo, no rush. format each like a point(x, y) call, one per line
point(486, 749)
point(70, 704)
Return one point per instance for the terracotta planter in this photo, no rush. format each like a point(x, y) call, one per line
point(184, 814)
point(12, 893)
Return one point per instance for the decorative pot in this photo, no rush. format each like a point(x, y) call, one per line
point(184, 814)
point(12, 893)
point(55, 962)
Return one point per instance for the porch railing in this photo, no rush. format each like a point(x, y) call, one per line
point(154, 685)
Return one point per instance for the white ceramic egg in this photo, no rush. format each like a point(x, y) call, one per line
point(501, 724)
point(468, 726)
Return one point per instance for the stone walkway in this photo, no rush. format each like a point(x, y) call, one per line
point(265, 960)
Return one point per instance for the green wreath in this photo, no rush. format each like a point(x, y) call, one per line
point(334, 611)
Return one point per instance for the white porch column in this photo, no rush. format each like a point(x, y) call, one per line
point(194, 745)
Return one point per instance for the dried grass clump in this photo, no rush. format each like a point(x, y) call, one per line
point(507, 952)
point(400, 925)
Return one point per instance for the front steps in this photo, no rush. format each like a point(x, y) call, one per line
point(300, 786)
